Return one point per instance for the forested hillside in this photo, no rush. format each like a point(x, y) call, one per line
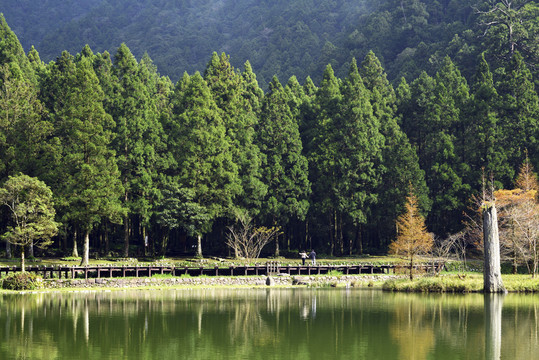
point(138, 163)
point(279, 37)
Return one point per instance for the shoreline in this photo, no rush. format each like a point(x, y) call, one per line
point(448, 283)
point(280, 281)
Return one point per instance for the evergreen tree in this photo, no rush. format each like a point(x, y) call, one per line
point(238, 98)
point(323, 155)
point(483, 138)
point(400, 163)
point(138, 137)
point(203, 153)
point(23, 125)
point(85, 177)
point(518, 111)
point(358, 148)
point(284, 168)
point(11, 50)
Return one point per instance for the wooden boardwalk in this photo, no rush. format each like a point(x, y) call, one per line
point(86, 272)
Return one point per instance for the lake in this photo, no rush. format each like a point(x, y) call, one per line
point(267, 324)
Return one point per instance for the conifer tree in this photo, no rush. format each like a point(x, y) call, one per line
point(202, 151)
point(238, 99)
point(412, 236)
point(483, 137)
point(84, 175)
point(400, 163)
point(138, 137)
point(518, 111)
point(323, 154)
point(284, 168)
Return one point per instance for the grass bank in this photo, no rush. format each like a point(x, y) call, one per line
point(460, 283)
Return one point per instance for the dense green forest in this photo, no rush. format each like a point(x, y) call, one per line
point(139, 164)
point(284, 38)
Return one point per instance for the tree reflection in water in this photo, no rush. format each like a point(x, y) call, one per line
point(267, 323)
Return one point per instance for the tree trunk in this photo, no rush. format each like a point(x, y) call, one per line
point(199, 247)
point(31, 249)
point(359, 242)
point(107, 243)
point(277, 251)
point(75, 252)
point(492, 278)
point(86, 249)
point(8, 250)
point(22, 259)
point(411, 267)
point(126, 236)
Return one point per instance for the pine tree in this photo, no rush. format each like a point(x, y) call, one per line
point(358, 146)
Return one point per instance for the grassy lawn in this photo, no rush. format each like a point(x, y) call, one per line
point(460, 283)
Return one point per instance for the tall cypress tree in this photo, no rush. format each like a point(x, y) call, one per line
point(519, 111)
point(483, 138)
point(238, 99)
point(444, 159)
point(138, 136)
point(359, 144)
point(85, 177)
point(284, 167)
point(400, 163)
point(323, 155)
point(201, 148)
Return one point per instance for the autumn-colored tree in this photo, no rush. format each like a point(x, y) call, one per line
point(519, 217)
point(412, 236)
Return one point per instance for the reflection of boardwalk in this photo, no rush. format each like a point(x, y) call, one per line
point(70, 272)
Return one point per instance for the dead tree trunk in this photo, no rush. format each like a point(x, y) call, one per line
point(492, 278)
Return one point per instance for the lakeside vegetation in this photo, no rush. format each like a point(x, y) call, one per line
point(456, 278)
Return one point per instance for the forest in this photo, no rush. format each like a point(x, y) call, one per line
point(284, 38)
point(139, 164)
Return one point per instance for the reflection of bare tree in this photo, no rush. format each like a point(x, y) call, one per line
point(493, 326)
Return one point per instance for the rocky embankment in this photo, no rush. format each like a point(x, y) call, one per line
point(227, 281)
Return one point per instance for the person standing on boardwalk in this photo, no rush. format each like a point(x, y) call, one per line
point(312, 255)
point(303, 255)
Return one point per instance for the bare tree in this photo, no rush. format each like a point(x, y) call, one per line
point(246, 240)
point(519, 218)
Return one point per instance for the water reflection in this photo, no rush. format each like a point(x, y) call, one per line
point(272, 323)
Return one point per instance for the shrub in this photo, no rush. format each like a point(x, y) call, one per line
point(22, 281)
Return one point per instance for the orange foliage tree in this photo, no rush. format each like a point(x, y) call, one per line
point(413, 239)
point(520, 218)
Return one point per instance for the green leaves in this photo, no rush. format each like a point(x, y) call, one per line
point(31, 212)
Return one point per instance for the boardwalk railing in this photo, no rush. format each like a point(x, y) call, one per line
point(272, 268)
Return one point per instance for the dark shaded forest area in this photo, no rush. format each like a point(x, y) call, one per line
point(140, 164)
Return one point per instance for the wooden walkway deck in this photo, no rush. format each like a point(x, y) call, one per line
point(71, 272)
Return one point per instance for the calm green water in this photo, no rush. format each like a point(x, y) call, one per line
point(267, 324)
